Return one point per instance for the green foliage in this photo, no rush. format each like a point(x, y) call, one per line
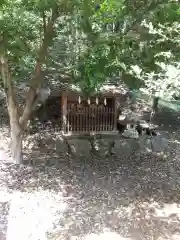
point(20, 31)
point(96, 40)
point(157, 65)
point(109, 27)
point(93, 71)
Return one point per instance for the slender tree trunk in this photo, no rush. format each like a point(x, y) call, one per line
point(16, 143)
point(13, 109)
point(155, 104)
point(18, 122)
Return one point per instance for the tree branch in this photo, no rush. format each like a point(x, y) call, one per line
point(44, 22)
point(137, 19)
point(38, 75)
point(153, 5)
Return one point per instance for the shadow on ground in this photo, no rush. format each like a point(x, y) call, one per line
point(136, 197)
point(167, 119)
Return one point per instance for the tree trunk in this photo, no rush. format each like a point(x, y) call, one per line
point(155, 104)
point(18, 122)
point(16, 143)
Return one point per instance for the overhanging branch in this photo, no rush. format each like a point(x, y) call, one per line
point(137, 19)
point(41, 58)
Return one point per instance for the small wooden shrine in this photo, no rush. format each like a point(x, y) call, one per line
point(97, 114)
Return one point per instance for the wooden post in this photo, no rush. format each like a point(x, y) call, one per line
point(115, 113)
point(64, 112)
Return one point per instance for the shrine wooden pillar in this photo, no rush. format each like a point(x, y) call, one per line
point(116, 109)
point(64, 112)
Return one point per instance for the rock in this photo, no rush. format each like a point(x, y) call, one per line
point(131, 133)
point(80, 147)
point(125, 147)
point(153, 144)
point(61, 146)
point(159, 143)
point(104, 146)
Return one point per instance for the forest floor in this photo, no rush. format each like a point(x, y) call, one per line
point(133, 198)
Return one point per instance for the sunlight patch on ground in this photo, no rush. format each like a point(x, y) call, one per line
point(105, 236)
point(167, 209)
point(176, 237)
point(32, 215)
point(175, 141)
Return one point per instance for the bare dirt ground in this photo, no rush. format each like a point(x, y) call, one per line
point(93, 198)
